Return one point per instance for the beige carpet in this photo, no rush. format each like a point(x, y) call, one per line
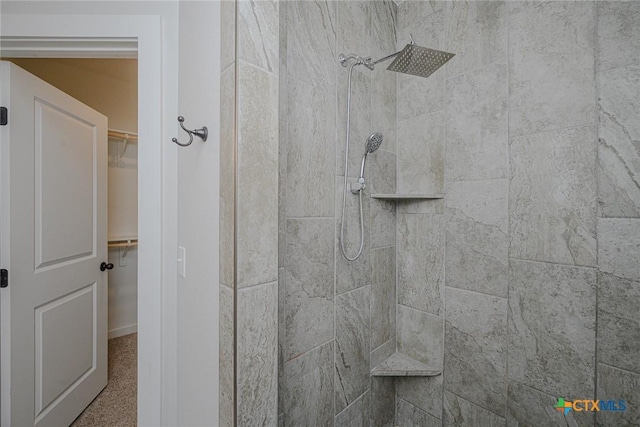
point(116, 405)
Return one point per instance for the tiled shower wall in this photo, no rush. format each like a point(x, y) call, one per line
point(336, 317)
point(533, 263)
point(249, 214)
point(532, 130)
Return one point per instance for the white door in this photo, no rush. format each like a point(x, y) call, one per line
point(54, 329)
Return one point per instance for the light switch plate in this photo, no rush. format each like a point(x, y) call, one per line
point(182, 262)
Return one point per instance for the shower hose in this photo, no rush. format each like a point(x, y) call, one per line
point(346, 174)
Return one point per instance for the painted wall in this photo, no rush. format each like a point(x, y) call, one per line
point(110, 87)
point(159, 405)
point(198, 195)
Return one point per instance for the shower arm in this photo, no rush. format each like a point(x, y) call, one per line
point(388, 57)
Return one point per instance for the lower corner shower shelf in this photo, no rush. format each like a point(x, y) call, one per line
point(401, 197)
point(401, 365)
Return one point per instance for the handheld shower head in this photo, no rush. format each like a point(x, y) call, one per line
point(373, 143)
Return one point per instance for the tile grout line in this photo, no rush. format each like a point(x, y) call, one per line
point(598, 190)
point(508, 172)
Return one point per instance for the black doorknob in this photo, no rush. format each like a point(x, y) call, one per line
point(104, 266)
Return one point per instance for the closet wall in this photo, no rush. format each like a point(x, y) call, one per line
point(109, 86)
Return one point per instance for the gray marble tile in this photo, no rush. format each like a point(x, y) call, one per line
point(617, 384)
point(618, 33)
point(420, 335)
point(549, 91)
point(227, 177)
point(282, 310)
point(383, 295)
point(552, 27)
point(383, 223)
point(477, 126)
point(383, 398)
point(424, 20)
point(384, 17)
point(460, 412)
point(434, 206)
point(227, 35)
point(352, 349)
point(475, 348)
point(311, 149)
point(257, 355)
point(227, 348)
point(309, 270)
point(283, 71)
point(552, 327)
point(527, 406)
point(379, 354)
point(353, 29)
point(422, 392)
point(619, 247)
point(383, 389)
point(353, 37)
point(311, 41)
point(257, 191)
point(408, 415)
point(258, 33)
point(618, 322)
point(420, 261)
point(381, 172)
point(619, 142)
point(478, 236)
point(418, 96)
point(282, 193)
point(384, 86)
point(352, 274)
point(356, 414)
point(360, 121)
point(309, 388)
point(552, 197)
point(477, 33)
point(421, 154)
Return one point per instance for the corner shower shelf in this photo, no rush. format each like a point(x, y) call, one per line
point(408, 196)
point(401, 365)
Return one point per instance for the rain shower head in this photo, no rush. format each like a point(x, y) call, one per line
point(373, 142)
point(413, 59)
point(419, 61)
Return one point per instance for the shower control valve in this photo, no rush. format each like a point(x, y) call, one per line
point(358, 187)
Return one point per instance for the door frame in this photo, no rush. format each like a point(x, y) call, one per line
point(53, 36)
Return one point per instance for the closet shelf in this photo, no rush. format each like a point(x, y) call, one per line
point(408, 196)
point(122, 243)
point(401, 365)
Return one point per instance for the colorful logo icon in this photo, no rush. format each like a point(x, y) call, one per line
point(586, 405)
point(563, 406)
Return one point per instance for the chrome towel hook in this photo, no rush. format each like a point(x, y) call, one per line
point(201, 133)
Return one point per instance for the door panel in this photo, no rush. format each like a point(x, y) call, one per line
point(57, 357)
point(65, 186)
point(65, 345)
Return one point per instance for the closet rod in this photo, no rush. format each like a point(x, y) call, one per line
point(123, 135)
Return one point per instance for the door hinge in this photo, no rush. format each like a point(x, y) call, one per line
point(4, 278)
point(4, 116)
